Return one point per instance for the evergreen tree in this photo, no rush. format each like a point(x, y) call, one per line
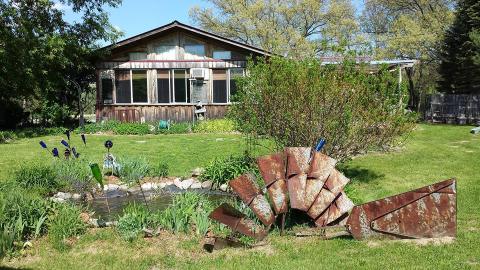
point(460, 68)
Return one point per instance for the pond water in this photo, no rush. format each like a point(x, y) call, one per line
point(111, 208)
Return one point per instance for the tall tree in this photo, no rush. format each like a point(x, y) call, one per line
point(296, 28)
point(460, 67)
point(44, 60)
point(409, 29)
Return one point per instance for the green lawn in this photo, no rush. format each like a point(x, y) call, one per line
point(431, 154)
point(182, 152)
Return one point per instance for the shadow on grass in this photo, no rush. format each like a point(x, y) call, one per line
point(359, 174)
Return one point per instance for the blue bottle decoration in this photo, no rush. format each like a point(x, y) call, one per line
point(320, 145)
point(65, 143)
point(84, 139)
point(43, 144)
point(75, 153)
point(55, 152)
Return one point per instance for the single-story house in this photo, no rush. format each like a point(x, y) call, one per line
point(161, 74)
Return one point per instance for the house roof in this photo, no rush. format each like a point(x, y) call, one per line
point(177, 24)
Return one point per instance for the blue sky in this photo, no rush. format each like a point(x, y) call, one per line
point(137, 16)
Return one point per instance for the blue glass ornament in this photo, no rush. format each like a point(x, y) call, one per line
point(44, 146)
point(65, 143)
point(55, 152)
point(84, 139)
point(320, 145)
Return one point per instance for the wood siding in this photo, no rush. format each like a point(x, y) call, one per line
point(155, 113)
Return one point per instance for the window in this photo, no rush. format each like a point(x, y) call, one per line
point(222, 55)
point(220, 91)
point(139, 86)
point(224, 85)
point(234, 73)
point(165, 52)
point(123, 86)
point(136, 56)
point(107, 90)
point(163, 86)
point(131, 86)
point(181, 89)
point(194, 48)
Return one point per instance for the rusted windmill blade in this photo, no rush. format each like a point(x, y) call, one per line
point(320, 168)
point(333, 186)
point(336, 212)
point(297, 168)
point(426, 212)
point(236, 220)
point(249, 192)
point(272, 169)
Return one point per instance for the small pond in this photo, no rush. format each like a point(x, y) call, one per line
point(157, 200)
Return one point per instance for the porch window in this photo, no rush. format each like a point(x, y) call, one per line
point(222, 55)
point(181, 86)
point(107, 90)
point(163, 86)
point(194, 49)
point(234, 73)
point(136, 56)
point(220, 91)
point(131, 86)
point(165, 52)
point(123, 86)
point(139, 86)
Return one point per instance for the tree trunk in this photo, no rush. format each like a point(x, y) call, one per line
point(413, 99)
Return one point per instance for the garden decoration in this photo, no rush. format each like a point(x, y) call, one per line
point(69, 149)
point(97, 174)
point(109, 161)
point(305, 179)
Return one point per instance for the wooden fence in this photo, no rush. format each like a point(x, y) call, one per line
point(453, 109)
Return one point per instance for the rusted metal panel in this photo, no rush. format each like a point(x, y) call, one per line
point(247, 189)
point(336, 182)
point(297, 160)
point(296, 190)
point(279, 196)
point(272, 168)
point(321, 203)
point(237, 221)
point(320, 168)
point(338, 208)
point(425, 212)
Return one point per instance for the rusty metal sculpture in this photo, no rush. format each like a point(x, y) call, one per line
point(308, 180)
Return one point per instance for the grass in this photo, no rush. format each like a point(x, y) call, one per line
point(431, 154)
point(182, 152)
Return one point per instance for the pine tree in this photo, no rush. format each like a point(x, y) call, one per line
point(460, 67)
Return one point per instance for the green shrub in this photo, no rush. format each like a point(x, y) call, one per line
point(160, 169)
point(221, 170)
point(74, 174)
point(7, 136)
point(132, 129)
point(215, 126)
point(133, 169)
point(37, 176)
point(64, 222)
point(188, 212)
point(135, 218)
point(297, 102)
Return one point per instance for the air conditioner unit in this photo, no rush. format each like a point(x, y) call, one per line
point(200, 73)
